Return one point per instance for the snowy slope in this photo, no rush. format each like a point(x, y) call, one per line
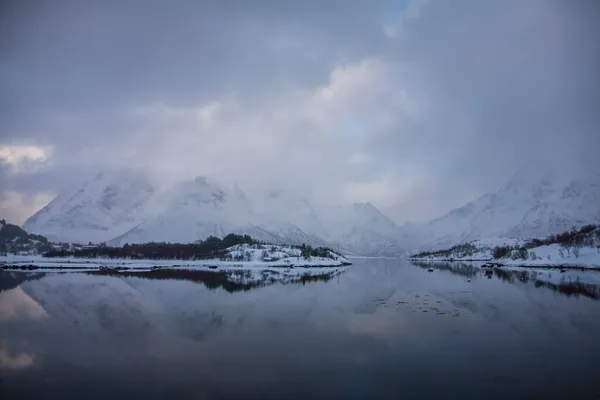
point(581, 250)
point(190, 211)
point(193, 210)
point(236, 257)
point(197, 209)
point(102, 208)
point(361, 228)
point(289, 216)
point(553, 255)
point(542, 256)
point(476, 250)
point(123, 207)
point(530, 205)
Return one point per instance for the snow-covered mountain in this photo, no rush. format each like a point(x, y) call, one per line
point(278, 205)
point(104, 207)
point(530, 205)
point(123, 207)
point(189, 211)
point(361, 228)
point(199, 208)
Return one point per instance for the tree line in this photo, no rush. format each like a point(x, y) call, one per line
point(569, 241)
point(458, 251)
point(13, 239)
point(209, 248)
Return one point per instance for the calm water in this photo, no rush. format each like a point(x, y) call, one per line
point(382, 329)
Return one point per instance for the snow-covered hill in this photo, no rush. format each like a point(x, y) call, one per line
point(123, 207)
point(193, 210)
point(576, 248)
point(361, 228)
point(552, 255)
point(15, 240)
point(476, 250)
point(241, 256)
point(100, 209)
point(530, 205)
point(189, 211)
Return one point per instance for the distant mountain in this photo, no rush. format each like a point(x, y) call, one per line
point(99, 210)
point(190, 211)
point(200, 208)
point(282, 211)
point(195, 209)
point(530, 205)
point(123, 207)
point(361, 228)
point(15, 240)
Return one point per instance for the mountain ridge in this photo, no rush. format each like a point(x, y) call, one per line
point(120, 208)
point(95, 211)
point(529, 205)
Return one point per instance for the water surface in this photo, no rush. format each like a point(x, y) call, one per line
point(384, 328)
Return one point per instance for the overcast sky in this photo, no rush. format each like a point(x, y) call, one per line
point(416, 106)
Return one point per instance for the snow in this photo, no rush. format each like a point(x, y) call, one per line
point(288, 259)
point(195, 209)
point(95, 263)
point(484, 248)
point(549, 255)
point(240, 272)
point(545, 256)
point(100, 209)
point(530, 205)
point(202, 208)
point(124, 207)
point(362, 230)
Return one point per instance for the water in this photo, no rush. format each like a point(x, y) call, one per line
point(383, 329)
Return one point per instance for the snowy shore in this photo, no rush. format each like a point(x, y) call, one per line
point(281, 261)
point(548, 256)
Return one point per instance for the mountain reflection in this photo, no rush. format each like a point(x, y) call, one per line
point(567, 285)
point(230, 281)
point(10, 280)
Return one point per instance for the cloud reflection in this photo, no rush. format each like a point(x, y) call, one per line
point(17, 304)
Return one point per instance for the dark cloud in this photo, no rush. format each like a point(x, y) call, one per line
point(423, 105)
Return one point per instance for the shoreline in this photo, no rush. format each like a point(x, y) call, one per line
point(37, 263)
point(488, 263)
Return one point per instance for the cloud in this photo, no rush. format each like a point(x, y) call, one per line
point(16, 304)
point(16, 207)
point(416, 106)
point(15, 362)
point(22, 159)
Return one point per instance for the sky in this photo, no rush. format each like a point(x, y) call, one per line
point(415, 106)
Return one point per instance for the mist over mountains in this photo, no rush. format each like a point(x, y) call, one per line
point(123, 206)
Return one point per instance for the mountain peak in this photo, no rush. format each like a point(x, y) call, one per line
point(204, 181)
point(533, 203)
point(107, 203)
